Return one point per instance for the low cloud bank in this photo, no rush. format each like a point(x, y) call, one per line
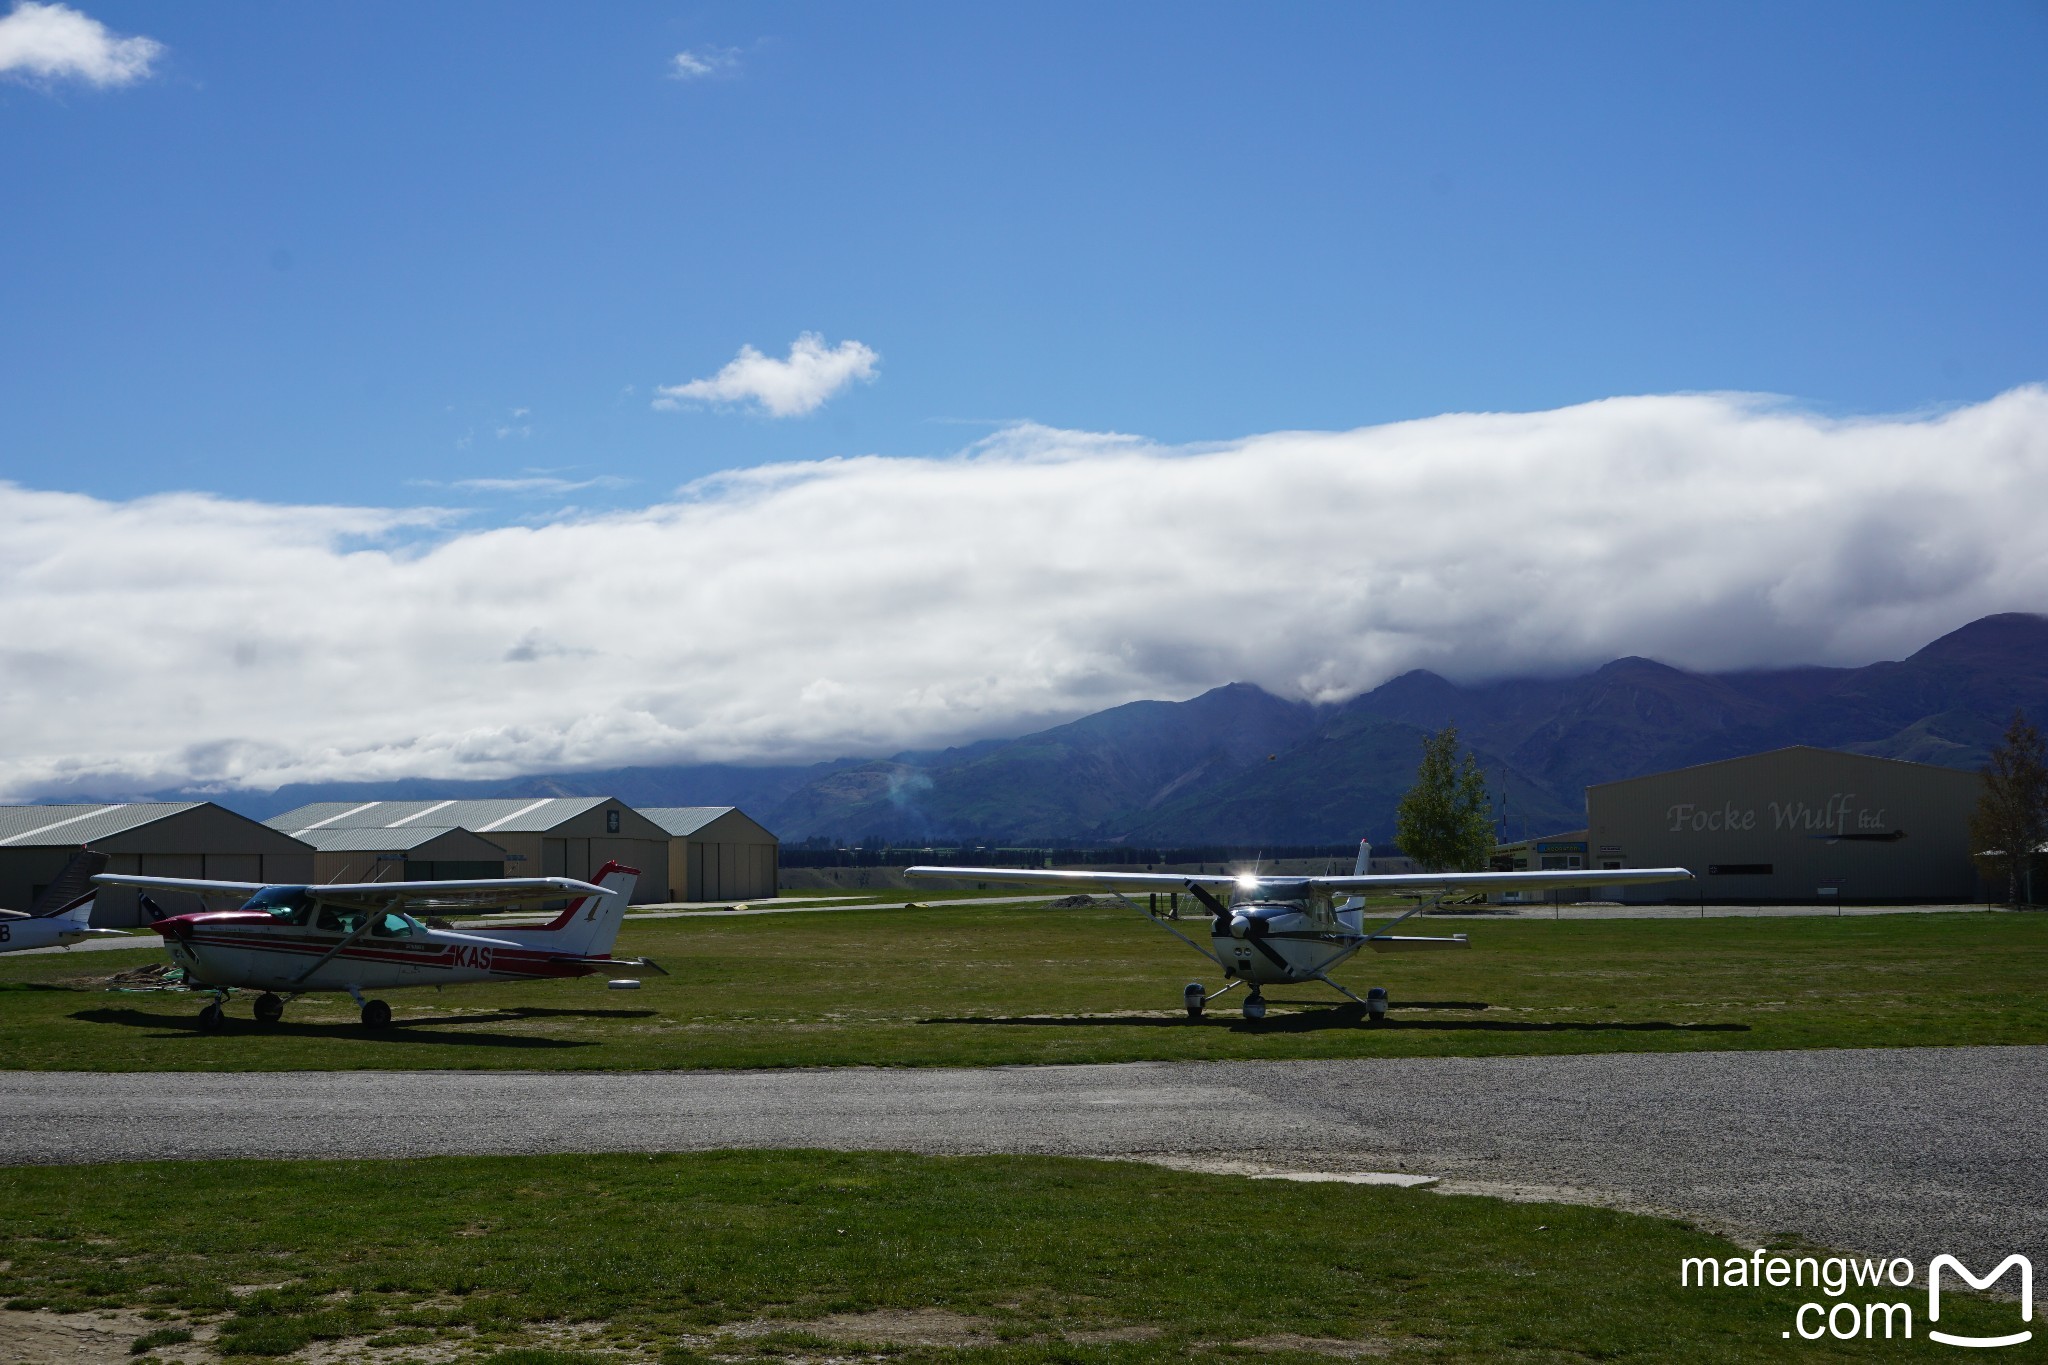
point(859, 605)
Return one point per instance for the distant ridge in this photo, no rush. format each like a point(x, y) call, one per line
point(1237, 765)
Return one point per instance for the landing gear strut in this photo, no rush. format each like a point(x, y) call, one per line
point(269, 1009)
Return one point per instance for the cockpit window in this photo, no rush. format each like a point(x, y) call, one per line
point(288, 904)
point(1269, 893)
point(338, 920)
point(391, 925)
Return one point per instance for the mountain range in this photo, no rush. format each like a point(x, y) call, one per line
point(1238, 765)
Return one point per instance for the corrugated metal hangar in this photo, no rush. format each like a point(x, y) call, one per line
point(1792, 825)
point(553, 836)
point(717, 853)
point(411, 853)
point(157, 839)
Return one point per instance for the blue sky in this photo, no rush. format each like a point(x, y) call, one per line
point(328, 252)
point(352, 358)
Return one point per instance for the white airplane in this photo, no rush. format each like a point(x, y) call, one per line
point(1277, 930)
point(286, 941)
point(62, 915)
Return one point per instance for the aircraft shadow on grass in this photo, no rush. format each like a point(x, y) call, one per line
point(416, 1032)
point(1315, 1020)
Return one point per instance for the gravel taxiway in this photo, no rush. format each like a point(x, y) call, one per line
point(1901, 1152)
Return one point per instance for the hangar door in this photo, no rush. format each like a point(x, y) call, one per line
point(579, 858)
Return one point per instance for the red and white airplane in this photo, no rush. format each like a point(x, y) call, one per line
point(286, 941)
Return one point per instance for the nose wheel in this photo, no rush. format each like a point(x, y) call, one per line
point(212, 1017)
point(1255, 1006)
point(376, 1014)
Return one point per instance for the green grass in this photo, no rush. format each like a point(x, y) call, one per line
point(759, 1255)
point(982, 985)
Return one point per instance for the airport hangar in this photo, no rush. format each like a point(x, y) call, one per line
point(1791, 825)
point(718, 853)
point(151, 839)
point(550, 836)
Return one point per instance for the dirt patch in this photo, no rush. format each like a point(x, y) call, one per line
point(99, 1336)
point(1322, 1346)
point(1106, 1335)
point(349, 1350)
point(884, 1327)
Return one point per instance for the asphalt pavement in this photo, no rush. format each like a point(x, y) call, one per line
point(1906, 1152)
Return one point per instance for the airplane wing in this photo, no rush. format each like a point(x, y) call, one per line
point(1360, 884)
point(194, 884)
point(484, 890)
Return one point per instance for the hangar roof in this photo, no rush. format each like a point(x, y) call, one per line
point(33, 826)
point(1801, 752)
point(355, 839)
point(514, 815)
point(681, 820)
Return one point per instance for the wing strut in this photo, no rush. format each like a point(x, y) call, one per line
point(1130, 904)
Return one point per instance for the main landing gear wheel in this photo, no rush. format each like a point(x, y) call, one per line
point(376, 1014)
point(1255, 1007)
point(1376, 1005)
point(269, 1009)
point(212, 1017)
point(1194, 997)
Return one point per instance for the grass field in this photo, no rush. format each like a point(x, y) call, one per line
point(803, 1256)
point(980, 985)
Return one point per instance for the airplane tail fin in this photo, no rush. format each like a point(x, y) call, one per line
point(71, 895)
point(1363, 866)
point(590, 925)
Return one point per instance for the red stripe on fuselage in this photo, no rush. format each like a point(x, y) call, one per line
point(518, 962)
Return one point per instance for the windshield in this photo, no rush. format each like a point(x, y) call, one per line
point(288, 903)
point(1269, 893)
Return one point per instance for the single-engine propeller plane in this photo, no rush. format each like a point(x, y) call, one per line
point(62, 915)
point(1277, 930)
point(287, 941)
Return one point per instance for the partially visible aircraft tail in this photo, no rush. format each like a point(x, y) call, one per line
point(71, 895)
point(1363, 867)
point(590, 925)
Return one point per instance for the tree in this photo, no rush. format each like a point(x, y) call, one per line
point(2011, 819)
point(1445, 822)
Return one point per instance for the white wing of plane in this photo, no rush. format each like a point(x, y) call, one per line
point(484, 888)
point(1354, 882)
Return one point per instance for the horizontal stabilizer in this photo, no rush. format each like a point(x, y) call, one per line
point(1396, 943)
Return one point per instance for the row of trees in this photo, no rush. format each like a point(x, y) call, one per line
point(2011, 820)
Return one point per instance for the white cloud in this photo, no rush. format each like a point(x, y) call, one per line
point(780, 388)
point(56, 42)
point(537, 483)
point(862, 605)
point(694, 65)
